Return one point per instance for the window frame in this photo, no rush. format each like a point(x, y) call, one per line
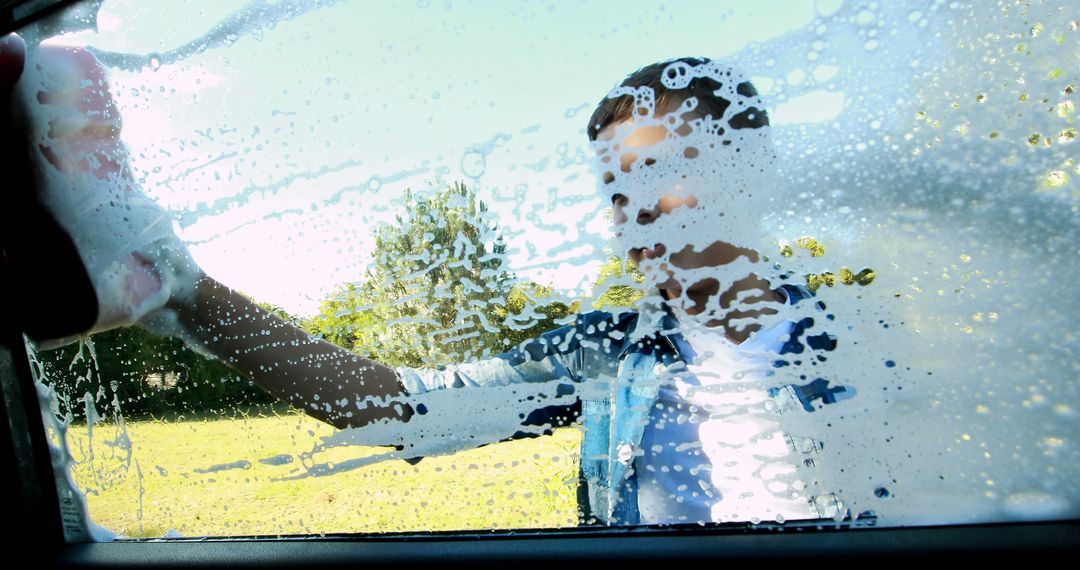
point(27, 462)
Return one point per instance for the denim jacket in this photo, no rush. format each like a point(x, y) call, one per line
point(615, 364)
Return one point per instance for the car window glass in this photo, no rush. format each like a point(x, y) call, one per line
point(831, 287)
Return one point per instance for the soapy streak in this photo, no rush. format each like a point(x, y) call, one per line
point(249, 19)
point(235, 201)
point(242, 464)
point(456, 420)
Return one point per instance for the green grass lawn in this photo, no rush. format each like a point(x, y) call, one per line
point(158, 486)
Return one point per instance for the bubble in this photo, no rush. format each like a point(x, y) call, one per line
point(824, 73)
point(1057, 179)
point(676, 76)
point(155, 63)
point(473, 164)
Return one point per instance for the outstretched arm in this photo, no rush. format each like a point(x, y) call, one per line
point(324, 380)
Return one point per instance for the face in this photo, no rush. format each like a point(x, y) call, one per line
point(653, 221)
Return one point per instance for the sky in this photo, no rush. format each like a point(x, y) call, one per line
point(280, 152)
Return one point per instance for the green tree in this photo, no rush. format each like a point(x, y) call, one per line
point(108, 370)
point(437, 291)
point(136, 373)
point(618, 285)
point(530, 309)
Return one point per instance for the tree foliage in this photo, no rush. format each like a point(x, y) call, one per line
point(140, 374)
point(618, 285)
point(438, 291)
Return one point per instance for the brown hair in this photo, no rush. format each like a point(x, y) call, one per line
point(618, 109)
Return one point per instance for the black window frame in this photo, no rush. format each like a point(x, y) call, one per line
point(28, 469)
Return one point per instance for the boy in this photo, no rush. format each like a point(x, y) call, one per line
point(678, 425)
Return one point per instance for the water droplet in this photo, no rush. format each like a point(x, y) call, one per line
point(1057, 179)
point(1053, 441)
point(473, 164)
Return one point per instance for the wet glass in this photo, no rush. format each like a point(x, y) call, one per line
point(821, 277)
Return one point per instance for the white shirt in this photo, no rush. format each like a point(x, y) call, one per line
point(713, 450)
